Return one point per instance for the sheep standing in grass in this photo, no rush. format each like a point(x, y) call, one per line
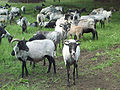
point(71, 53)
point(4, 33)
point(34, 51)
point(23, 9)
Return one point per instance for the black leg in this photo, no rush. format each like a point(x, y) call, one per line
point(74, 73)
point(22, 69)
point(76, 70)
point(53, 61)
point(96, 35)
point(68, 74)
point(33, 65)
point(49, 64)
point(25, 68)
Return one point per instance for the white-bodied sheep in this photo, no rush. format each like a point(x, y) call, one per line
point(3, 11)
point(71, 54)
point(34, 51)
point(23, 9)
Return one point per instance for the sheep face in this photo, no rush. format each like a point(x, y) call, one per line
point(22, 45)
point(72, 48)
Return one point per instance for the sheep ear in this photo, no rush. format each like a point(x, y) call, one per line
point(66, 42)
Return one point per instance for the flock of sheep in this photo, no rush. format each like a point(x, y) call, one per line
point(44, 44)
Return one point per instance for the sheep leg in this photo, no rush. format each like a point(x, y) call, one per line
point(74, 73)
point(68, 74)
point(23, 69)
point(26, 69)
point(76, 70)
point(53, 61)
point(33, 65)
point(96, 35)
point(24, 66)
point(49, 59)
point(93, 33)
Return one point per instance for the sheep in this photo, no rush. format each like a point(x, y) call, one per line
point(23, 23)
point(11, 17)
point(34, 24)
point(3, 11)
point(39, 8)
point(78, 31)
point(50, 24)
point(34, 51)
point(15, 11)
point(3, 18)
point(87, 23)
point(41, 19)
point(63, 30)
point(5, 33)
point(59, 8)
point(52, 35)
point(71, 54)
point(7, 5)
point(23, 9)
point(20, 21)
point(54, 15)
point(47, 9)
point(37, 37)
point(97, 11)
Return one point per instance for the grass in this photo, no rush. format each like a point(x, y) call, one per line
point(10, 67)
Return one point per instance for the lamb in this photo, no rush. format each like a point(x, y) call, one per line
point(34, 51)
point(78, 31)
point(5, 33)
point(71, 53)
point(23, 9)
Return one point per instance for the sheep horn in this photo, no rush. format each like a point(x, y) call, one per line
point(16, 39)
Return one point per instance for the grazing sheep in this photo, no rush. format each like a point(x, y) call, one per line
point(34, 24)
point(41, 19)
point(39, 8)
point(15, 11)
point(3, 11)
point(23, 9)
point(34, 51)
point(50, 24)
point(4, 33)
point(11, 17)
point(71, 54)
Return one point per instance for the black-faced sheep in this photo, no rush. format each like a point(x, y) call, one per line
point(34, 51)
point(71, 53)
